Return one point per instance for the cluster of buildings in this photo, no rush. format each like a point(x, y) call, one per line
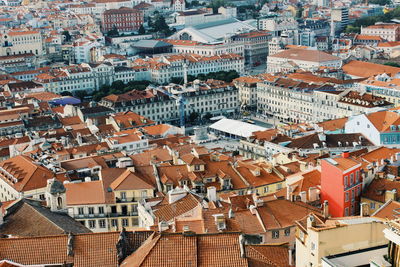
point(168, 133)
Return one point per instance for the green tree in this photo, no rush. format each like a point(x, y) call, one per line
point(380, 2)
point(193, 116)
point(215, 4)
point(232, 74)
point(150, 22)
point(118, 86)
point(207, 116)
point(66, 93)
point(161, 26)
point(81, 94)
point(299, 13)
point(114, 32)
point(393, 64)
point(176, 80)
point(352, 29)
point(141, 30)
point(98, 95)
point(371, 20)
point(67, 36)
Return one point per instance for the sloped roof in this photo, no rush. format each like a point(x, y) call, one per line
point(151, 44)
point(306, 55)
point(382, 120)
point(377, 188)
point(343, 163)
point(368, 69)
point(155, 155)
point(171, 250)
point(379, 154)
point(30, 175)
point(85, 193)
point(90, 250)
point(268, 255)
point(388, 211)
point(283, 213)
point(333, 125)
point(29, 218)
point(170, 211)
point(129, 180)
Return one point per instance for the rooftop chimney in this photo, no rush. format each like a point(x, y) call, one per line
point(290, 256)
point(1, 215)
point(231, 214)
point(364, 209)
point(70, 245)
point(326, 209)
point(212, 193)
point(242, 246)
point(310, 221)
point(345, 155)
point(163, 226)
point(176, 194)
point(253, 209)
point(122, 246)
point(390, 195)
point(303, 196)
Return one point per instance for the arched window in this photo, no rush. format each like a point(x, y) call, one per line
point(185, 36)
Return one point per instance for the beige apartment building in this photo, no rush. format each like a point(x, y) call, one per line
point(317, 238)
point(389, 32)
point(21, 42)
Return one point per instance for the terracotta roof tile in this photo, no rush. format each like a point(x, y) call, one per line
point(333, 125)
point(306, 55)
point(388, 211)
point(27, 174)
point(129, 180)
point(158, 129)
point(28, 218)
point(345, 163)
point(217, 250)
point(379, 154)
point(368, 69)
point(170, 211)
point(377, 188)
point(97, 249)
point(283, 213)
point(156, 155)
point(268, 255)
point(85, 193)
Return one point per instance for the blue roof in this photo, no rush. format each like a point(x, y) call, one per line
point(66, 100)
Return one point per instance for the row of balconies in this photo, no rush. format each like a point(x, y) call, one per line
point(108, 215)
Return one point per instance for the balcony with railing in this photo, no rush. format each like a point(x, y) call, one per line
point(109, 215)
point(127, 200)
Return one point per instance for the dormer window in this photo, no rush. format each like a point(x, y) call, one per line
point(197, 167)
point(169, 187)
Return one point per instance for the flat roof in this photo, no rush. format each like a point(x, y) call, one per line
point(235, 127)
point(361, 257)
